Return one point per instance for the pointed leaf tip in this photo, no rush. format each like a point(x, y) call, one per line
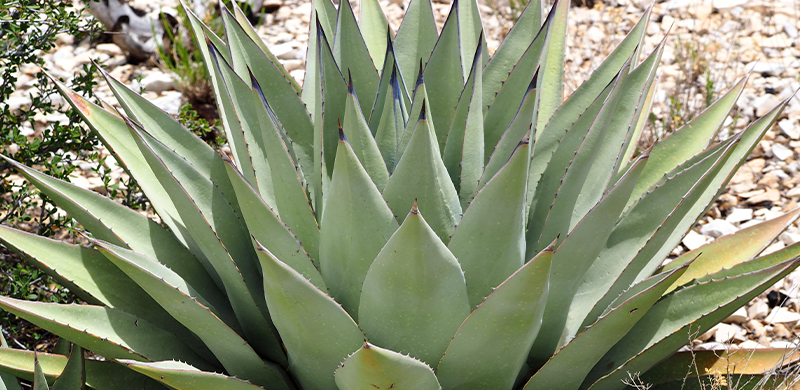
point(414, 208)
point(534, 80)
point(420, 78)
point(350, 89)
point(342, 137)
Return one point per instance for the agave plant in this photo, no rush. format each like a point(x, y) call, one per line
point(418, 215)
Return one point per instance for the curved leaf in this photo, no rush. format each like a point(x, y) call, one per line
point(669, 323)
point(182, 376)
point(579, 355)
point(572, 259)
point(176, 297)
point(689, 140)
point(243, 296)
point(110, 221)
point(100, 375)
point(98, 281)
point(730, 250)
point(109, 332)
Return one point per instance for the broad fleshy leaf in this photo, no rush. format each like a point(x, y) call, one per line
point(505, 324)
point(489, 254)
point(415, 40)
point(317, 333)
point(414, 296)
point(355, 226)
point(421, 177)
point(380, 368)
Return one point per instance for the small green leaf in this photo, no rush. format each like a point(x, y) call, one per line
point(355, 226)
point(74, 375)
point(463, 151)
point(317, 333)
point(419, 101)
point(445, 76)
point(421, 177)
point(415, 40)
point(489, 242)
point(378, 368)
point(414, 296)
point(181, 376)
point(392, 124)
point(362, 142)
point(504, 325)
point(39, 381)
point(353, 57)
point(519, 127)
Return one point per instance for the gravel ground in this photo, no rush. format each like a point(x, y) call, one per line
point(711, 44)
